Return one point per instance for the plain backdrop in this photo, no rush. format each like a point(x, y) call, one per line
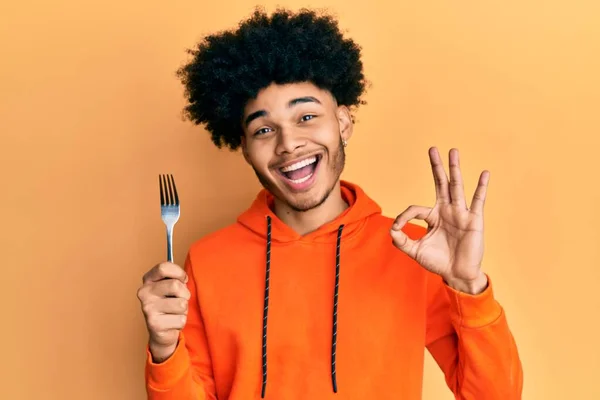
point(91, 113)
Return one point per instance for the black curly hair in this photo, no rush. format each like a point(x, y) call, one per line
point(229, 68)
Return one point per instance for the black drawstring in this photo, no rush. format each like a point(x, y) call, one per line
point(266, 309)
point(335, 306)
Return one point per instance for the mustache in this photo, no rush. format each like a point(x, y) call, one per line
point(283, 160)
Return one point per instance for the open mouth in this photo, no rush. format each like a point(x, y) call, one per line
point(301, 171)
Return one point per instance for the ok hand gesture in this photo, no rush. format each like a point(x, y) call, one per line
point(453, 245)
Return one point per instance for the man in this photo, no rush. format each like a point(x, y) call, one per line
point(312, 293)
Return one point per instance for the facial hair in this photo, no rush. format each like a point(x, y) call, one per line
point(338, 161)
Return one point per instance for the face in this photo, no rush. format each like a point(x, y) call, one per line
point(293, 138)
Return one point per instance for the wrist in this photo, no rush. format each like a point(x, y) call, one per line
point(161, 353)
point(472, 286)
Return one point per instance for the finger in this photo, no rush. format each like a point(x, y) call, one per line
point(457, 191)
point(412, 212)
point(172, 288)
point(165, 322)
point(170, 305)
point(478, 202)
point(439, 176)
point(165, 270)
point(404, 243)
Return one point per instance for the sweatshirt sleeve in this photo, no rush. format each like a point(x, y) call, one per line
point(187, 374)
point(469, 338)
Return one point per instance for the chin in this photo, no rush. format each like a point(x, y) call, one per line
point(302, 201)
point(308, 200)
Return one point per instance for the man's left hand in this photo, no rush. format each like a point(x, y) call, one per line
point(453, 245)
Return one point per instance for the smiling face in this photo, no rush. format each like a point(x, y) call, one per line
point(293, 138)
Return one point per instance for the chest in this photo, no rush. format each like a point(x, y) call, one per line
point(381, 296)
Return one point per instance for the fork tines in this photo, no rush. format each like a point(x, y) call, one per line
point(168, 191)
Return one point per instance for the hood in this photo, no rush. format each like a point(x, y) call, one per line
point(353, 218)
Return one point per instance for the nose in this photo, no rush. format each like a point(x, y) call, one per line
point(289, 140)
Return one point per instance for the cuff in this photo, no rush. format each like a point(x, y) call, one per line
point(164, 376)
point(474, 311)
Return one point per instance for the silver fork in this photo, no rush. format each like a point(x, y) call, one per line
point(169, 208)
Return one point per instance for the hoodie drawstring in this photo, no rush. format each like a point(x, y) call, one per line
point(266, 310)
point(335, 307)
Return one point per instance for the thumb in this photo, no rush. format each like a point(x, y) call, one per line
point(404, 243)
point(401, 239)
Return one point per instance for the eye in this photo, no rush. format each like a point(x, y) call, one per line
point(307, 117)
point(262, 131)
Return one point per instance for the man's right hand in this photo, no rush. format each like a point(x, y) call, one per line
point(164, 297)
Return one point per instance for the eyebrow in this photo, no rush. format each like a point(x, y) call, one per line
point(291, 103)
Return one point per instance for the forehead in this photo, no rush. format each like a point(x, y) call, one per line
point(278, 96)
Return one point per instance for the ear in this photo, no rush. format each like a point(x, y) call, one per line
point(244, 146)
point(345, 122)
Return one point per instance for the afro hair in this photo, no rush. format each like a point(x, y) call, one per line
point(229, 68)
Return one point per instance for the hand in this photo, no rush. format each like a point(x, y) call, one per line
point(164, 297)
point(453, 245)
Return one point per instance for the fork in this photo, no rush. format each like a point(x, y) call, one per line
point(169, 208)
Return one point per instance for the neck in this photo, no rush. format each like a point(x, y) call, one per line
point(308, 221)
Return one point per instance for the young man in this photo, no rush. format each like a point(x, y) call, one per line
point(312, 293)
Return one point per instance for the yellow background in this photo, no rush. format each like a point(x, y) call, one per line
point(90, 114)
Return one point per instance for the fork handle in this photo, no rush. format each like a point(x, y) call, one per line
point(170, 244)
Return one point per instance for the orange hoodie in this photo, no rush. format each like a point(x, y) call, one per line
point(339, 313)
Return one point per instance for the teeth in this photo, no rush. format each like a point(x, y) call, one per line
point(299, 165)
